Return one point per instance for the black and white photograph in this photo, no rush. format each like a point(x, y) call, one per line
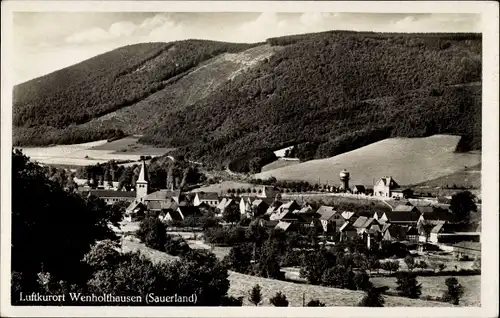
point(253, 157)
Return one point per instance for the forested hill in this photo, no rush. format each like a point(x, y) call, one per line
point(327, 93)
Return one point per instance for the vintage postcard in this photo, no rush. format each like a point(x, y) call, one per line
point(224, 159)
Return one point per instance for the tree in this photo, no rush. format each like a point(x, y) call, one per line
point(255, 295)
point(373, 297)
point(279, 300)
point(362, 281)
point(44, 234)
point(315, 303)
point(231, 213)
point(391, 266)
point(239, 258)
point(153, 233)
point(408, 285)
point(462, 204)
point(454, 292)
point(410, 262)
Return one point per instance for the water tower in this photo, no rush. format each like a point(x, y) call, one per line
point(344, 179)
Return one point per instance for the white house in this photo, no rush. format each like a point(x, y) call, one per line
point(384, 187)
point(209, 198)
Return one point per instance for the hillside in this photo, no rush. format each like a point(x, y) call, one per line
point(408, 160)
point(327, 93)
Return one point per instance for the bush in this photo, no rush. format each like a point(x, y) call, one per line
point(315, 303)
point(255, 295)
point(176, 245)
point(225, 235)
point(373, 297)
point(279, 300)
point(454, 292)
point(408, 285)
point(153, 233)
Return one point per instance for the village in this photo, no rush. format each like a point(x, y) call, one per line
point(420, 224)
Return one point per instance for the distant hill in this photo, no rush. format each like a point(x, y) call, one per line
point(409, 160)
point(468, 178)
point(327, 93)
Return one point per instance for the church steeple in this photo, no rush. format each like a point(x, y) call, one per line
point(142, 183)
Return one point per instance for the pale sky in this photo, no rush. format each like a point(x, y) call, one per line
point(47, 41)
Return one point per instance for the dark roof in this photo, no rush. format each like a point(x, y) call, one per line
point(397, 232)
point(389, 181)
point(161, 205)
point(189, 210)
point(402, 190)
point(112, 194)
point(207, 195)
point(402, 216)
point(359, 187)
point(175, 215)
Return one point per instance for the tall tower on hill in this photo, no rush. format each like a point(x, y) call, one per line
point(344, 179)
point(142, 184)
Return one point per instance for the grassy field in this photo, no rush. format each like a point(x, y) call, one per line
point(131, 145)
point(408, 160)
point(435, 286)
point(469, 177)
point(91, 153)
point(280, 163)
point(241, 284)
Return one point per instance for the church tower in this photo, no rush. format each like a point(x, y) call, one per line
point(142, 184)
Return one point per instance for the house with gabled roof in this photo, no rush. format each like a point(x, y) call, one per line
point(348, 232)
point(290, 206)
point(259, 207)
point(209, 198)
point(380, 216)
point(384, 187)
point(330, 219)
point(347, 215)
point(358, 189)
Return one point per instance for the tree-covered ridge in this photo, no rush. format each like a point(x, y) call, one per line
point(326, 93)
point(108, 82)
point(337, 91)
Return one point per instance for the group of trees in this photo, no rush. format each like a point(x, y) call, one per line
point(349, 90)
point(352, 89)
point(162, 173)
point(56, 252)
point(103, 84)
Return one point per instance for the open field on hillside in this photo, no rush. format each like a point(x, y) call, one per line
point(241, 284)
point(280, 163)
point(222, 187)
point(408, 160)
point(91, 153)
point(131, 145)
point(435, 286)
point(470, 177)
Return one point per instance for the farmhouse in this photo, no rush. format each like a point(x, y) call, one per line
point(209, 198)
point(389, 188)
point(227, 203)
point(331, 220)
point(259, 207)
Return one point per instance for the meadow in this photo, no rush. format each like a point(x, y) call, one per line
point(91, 153)
point(408, 160)
point(435, 286)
